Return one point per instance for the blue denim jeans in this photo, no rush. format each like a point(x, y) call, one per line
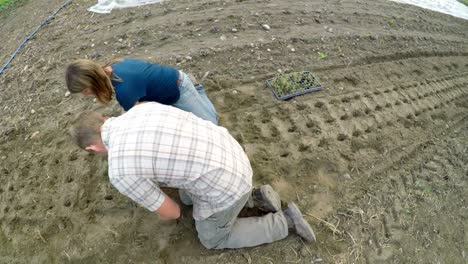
point(194, 99)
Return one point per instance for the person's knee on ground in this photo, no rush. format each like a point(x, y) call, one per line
point(211, 236)
point(208, 244)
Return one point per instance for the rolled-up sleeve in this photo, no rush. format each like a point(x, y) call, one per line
point(141, 190)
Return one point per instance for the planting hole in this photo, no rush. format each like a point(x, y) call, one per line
point(344, 117)
point(342, 137)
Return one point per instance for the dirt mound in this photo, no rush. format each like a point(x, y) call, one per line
point(376, 160)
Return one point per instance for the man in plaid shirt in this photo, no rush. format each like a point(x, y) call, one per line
point(155, 145)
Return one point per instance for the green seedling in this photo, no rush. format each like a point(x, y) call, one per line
point(293, 82)
point(322, 56)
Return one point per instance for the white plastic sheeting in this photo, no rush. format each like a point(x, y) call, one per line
point(106, 6)
point(451, 7)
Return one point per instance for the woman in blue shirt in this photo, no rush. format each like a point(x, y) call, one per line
point(134, 81)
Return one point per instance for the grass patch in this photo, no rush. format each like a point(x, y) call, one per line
point(465, 2)
point(6, 3)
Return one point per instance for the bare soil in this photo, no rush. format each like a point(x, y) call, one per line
point(377, 160)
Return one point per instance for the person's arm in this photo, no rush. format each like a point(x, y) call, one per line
point(169, 210)
point(146, 193)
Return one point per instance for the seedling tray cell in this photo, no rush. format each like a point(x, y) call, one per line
point(290, 85)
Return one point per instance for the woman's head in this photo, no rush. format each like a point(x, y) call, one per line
point(87, 77)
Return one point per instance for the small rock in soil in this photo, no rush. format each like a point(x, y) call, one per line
point(266, 27)
point(95, 55)
point(147, 14)
point(303, 251)
point(139, 43)
point(317, 260)
point(347, 176)
point(215, 29)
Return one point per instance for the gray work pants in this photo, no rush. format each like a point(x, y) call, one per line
point(225, 230)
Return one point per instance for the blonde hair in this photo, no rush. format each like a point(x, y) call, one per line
point(83, 73)
point(86, 128)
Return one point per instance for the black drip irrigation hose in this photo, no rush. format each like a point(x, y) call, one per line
point(32, 35)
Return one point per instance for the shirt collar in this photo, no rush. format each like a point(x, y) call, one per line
point(105, 132)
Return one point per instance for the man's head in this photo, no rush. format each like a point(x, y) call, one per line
point(86, 132)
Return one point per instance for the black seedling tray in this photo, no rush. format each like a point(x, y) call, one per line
point(293, 84)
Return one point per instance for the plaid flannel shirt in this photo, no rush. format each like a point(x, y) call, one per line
point(156, 145)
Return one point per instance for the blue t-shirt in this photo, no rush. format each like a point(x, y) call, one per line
point(143, 81)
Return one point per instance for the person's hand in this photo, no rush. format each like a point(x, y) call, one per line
point(169, 209)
